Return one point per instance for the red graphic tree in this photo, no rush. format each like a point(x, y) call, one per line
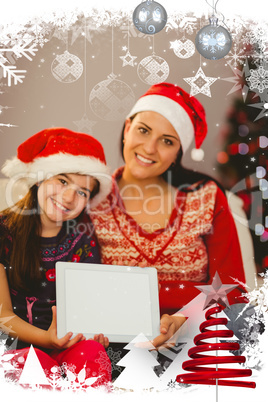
point(216, 294)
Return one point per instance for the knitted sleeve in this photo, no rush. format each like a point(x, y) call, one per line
point(224, 249)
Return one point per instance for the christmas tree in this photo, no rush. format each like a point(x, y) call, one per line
point(213, 375)
point(139, 362)
point(243, 162)
point(193, 312)
point(33, 374)
point(215, 293)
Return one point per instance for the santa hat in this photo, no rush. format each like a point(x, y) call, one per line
point(184, 112)
point(59, 150)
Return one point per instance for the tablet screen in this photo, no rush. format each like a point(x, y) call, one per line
point(119, 302)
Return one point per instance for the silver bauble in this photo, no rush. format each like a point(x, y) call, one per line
point(213, 41)
point(149, 17)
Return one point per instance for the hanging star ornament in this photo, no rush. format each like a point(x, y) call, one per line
point(85, 124)
point(216, 292)
point(128, 60)
point(200, 83)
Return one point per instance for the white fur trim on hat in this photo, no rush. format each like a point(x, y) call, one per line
point(172, 111)
point(46, 167)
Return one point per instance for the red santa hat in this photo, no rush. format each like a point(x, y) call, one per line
point(183, 111)
point(59, 150)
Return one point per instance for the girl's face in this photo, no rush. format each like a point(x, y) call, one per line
point(63, 197)
point(151, 145)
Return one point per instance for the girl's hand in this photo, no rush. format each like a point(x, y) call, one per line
point(169, 325)
point(64, 342)
point(101, 339)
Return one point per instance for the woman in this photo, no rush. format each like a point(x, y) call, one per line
point(66, 173)
point(162, 215)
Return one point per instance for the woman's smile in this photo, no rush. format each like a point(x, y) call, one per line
point(151, 145)
point(143, 160)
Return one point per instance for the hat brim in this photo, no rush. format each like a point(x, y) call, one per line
point(49, 166)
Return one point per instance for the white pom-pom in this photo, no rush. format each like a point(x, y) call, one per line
point(197, 154)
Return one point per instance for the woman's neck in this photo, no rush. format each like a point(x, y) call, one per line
point(134, 186)
point(149, 202)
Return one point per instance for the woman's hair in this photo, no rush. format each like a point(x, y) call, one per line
point(176, 174)
point(20, 230)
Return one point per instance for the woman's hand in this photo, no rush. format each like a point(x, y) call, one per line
point(64, 342)
point(169, 325)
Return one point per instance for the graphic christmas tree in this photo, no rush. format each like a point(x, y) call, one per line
point(209, 353)
point(139, 362)
point(33, 374)
point(193, 311)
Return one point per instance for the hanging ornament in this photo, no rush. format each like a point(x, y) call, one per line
point(84, 124)
point(213, 41)
point(200, 83)
point(149, 17)
point(183, 48)
point(153, 70)
point(111, 99)
point(67, 68)
point(128, 60)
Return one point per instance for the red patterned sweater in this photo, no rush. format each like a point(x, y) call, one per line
point(199, 240)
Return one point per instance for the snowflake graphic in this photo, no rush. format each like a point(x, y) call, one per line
point(103, 361)
point(235, 57)
point(213, 41)
point(114, 357)
point(257, 36)
point(259, 57)
point(40, 40)
point(258, 79)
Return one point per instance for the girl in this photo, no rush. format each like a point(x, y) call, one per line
point(66, 173)
point(162, 215)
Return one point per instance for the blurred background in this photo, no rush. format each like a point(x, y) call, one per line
point(85, 68)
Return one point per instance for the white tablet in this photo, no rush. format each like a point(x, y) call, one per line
point(118, 301)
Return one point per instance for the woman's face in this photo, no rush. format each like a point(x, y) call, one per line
point(151, 145)
point(64, 196)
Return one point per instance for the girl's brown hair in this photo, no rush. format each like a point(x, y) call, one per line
point(22, 222)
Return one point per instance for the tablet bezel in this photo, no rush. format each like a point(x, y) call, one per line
point(153, 297)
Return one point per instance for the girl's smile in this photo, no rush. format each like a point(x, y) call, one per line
point(63, 197)
point(58, 205)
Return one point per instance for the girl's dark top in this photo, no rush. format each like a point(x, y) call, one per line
point(75, 242)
